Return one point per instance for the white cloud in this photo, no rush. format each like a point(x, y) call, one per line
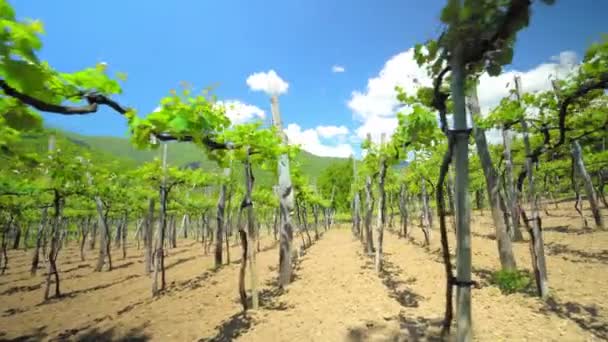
point(239, 112)
point(331, 131)
point(492, 89)
point(380, 98)
point(268, 82)
point(375, 126)
point(337, 69)
point(309, 140)
point(377, 106)
point(566, 58)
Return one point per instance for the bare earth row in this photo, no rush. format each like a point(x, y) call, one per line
point(335, 296)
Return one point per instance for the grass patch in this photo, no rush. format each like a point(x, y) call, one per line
point(511, 281)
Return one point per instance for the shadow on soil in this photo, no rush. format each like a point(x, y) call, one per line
point(269, 299)
point(85, 334)
point(239, 323)
point(180, 261)
point(231, 328)
point(562, 229)
point(25, 288)
point(190, 284)
point(75, 268)
point(75, 293)
point(400, 329)
point(396, 287)
point(13, 311)
point(489, 236)
point(125, 265)
point(585, 316)
point(485, 276)
point(37, 335)
point(134, 335)
point(195, 282)
point(561, 249)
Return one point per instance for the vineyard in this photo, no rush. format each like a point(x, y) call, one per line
point(206, 227)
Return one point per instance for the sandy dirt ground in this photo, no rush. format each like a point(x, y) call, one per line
point(336, 294)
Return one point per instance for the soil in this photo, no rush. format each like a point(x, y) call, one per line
point(336, 295)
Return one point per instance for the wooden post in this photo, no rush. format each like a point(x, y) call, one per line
point(286, 199)
point(464, 330)
point(381, 206)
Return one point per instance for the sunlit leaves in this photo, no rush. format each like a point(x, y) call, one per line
point(18, 38)
point(264, 143)
point(64, 173)
point(265, 197)
point(21, 69)
point(18, 116)
point(181, 116)
point(93, 79)
point(507, 112)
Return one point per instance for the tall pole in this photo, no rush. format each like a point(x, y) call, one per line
point(286, 199)
point(463, 231)
point(356, 200)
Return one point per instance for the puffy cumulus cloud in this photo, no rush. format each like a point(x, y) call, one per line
point(338, 69)
point(331, 131)
point(566, 58)
point(239, 112)
point(376, 126)
point(377, 106)
point(492, 89)
point(380, 98)
point(309, 140)
point(268, 82)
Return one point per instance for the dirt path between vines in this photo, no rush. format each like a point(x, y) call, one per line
point(118, 304)
point(335, 297)
point(336, 294)
point(577, 262)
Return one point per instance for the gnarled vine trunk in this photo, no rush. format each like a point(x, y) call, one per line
point(39, 235)
point(55, 247)
point(537, 250)
point(426, 214)
point(220, 216)
point(149, 237)
point(403, 211)
point(369, 202)
point(511, 199)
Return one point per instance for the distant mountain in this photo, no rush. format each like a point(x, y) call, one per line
point(180, 154)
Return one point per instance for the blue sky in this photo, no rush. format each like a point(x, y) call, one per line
point(160, 43)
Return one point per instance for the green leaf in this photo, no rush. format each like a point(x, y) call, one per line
point(179, 124)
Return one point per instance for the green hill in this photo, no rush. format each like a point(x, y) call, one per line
point(180, 154)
